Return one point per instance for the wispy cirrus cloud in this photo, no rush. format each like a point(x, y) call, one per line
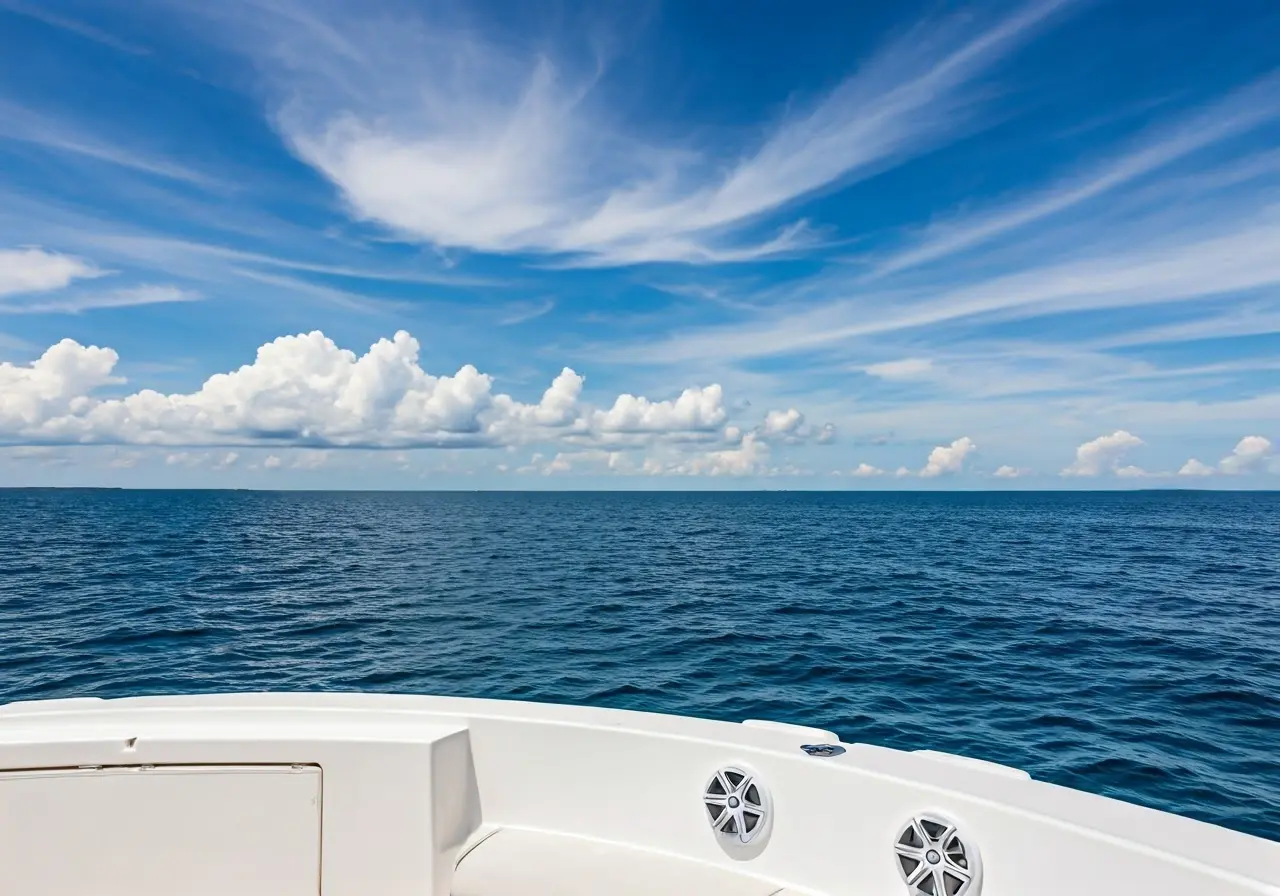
point(74, 26)
point(52, 135)
point(519, 314)
point(1239, 257)
point(1242, 111)
point(208, 259)
point(444, 137)
point(124, 297)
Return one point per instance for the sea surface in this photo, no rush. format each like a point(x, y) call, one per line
point(1122, 643)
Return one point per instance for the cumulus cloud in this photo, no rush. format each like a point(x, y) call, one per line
point(866, 470)
point(780, 423)
point(789, 426)
point(1249, 456)
point(53, 386)
point(32, 269)
point(305, 390)
point(907, 368)
point(442, 136)
point(696, 410)
point(1132, 472)
point(948, 458)
point(1194, 467)
point(1102, 454)
point(751, 457)
point(1007, 472)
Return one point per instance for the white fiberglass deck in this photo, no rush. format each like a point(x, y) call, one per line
point(362, 795)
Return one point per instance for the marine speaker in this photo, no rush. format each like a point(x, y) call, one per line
point(738, 806)
point(935, 859)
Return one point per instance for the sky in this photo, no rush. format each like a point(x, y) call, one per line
point(704, 244)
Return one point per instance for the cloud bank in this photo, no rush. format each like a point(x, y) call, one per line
point(305, 390)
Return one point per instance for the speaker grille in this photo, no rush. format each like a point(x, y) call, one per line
point(934, 859)
point(737, 805)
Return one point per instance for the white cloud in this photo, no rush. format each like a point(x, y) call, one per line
point(304, 390)
point(272, 462)
point(751, 457)
point(1132, 472)
point(902, 472)
point(907, 368)
point(52, 386)
point(948, 458)
point(866, 470)
point(1194, 467)
point(1007, 472)
point(441, 136)
point(1102, 454)
point(117, 298)
point(696, 410)
point(782, 423)
point(1249, 456)
point(32, 269)
point(789, 427)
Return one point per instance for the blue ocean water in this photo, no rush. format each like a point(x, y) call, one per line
point(1123, 643)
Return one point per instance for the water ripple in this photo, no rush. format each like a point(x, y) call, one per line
point(1127, 644)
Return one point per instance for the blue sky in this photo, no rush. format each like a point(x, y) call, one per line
point(682, 245)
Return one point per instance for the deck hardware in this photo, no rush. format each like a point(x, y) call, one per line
point(823, 749)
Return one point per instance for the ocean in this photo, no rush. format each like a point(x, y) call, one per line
point(1125, 643)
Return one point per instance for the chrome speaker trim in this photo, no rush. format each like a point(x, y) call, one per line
point(935, 858)
point(739, 808)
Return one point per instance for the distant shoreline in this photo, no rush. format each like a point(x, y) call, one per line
point(650, 491)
